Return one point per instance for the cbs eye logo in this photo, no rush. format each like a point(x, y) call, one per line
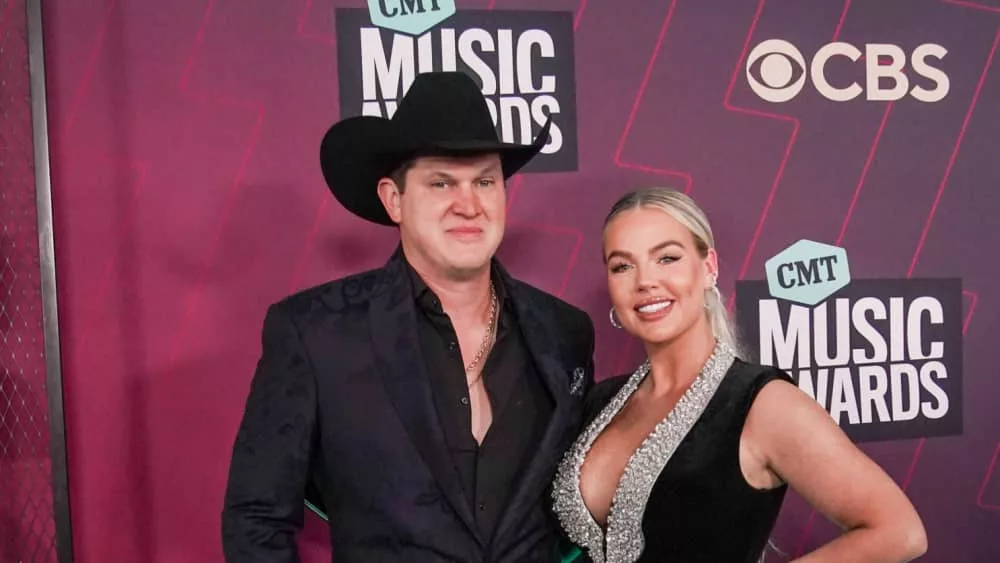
point(776, 71)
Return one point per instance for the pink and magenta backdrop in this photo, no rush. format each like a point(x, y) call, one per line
point(187, 194)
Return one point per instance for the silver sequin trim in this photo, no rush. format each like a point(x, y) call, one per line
point(624, 538)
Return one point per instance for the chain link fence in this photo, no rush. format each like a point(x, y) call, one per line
point(27, 518)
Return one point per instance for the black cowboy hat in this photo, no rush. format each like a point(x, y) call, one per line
point(441, 113)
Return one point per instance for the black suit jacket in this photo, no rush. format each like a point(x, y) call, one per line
point(341, 405)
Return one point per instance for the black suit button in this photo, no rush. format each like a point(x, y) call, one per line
point(464, 401)
point(482, 506)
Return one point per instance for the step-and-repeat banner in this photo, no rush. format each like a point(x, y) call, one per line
point(844, 151)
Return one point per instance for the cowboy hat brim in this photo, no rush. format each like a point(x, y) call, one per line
point(359, 151)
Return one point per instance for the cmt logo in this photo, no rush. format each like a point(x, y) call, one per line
point(781, 71)
point(412, 17)
point(807, 272)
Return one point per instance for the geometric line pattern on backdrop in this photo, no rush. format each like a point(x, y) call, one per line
point(784, 158)
point(190, 303)
point(871, 151)
point(989, 504)
point(980, 502)
point(688, 181)
point(933, 210)
point(918, 450)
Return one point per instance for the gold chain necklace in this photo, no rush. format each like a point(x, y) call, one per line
point(487, 338)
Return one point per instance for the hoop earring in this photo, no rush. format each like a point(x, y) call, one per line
point(614, 321)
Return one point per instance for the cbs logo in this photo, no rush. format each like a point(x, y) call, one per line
point(782, 72)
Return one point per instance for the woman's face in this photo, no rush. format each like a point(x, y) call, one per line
point(656, 277)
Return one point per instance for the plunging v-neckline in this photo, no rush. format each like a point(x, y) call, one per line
point(631, 455)
point(620, 539)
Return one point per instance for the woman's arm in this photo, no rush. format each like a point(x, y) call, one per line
point(801, 444)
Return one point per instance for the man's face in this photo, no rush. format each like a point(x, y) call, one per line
point(451, 213)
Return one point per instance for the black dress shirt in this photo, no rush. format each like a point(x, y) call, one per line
point(520, 403)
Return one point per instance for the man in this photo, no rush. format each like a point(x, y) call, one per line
point(422, 406)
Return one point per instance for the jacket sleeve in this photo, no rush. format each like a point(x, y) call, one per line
point(263, 507)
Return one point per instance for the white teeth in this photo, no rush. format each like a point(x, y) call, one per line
point(652, 308)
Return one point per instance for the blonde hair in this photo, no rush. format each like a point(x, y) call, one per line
point(686, 212)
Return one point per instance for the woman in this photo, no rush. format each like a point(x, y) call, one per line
point(688, 459)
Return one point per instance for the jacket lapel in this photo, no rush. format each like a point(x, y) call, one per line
point(398, 360)
point(542, 339)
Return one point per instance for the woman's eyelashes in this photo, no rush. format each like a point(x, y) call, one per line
point(619, 267)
